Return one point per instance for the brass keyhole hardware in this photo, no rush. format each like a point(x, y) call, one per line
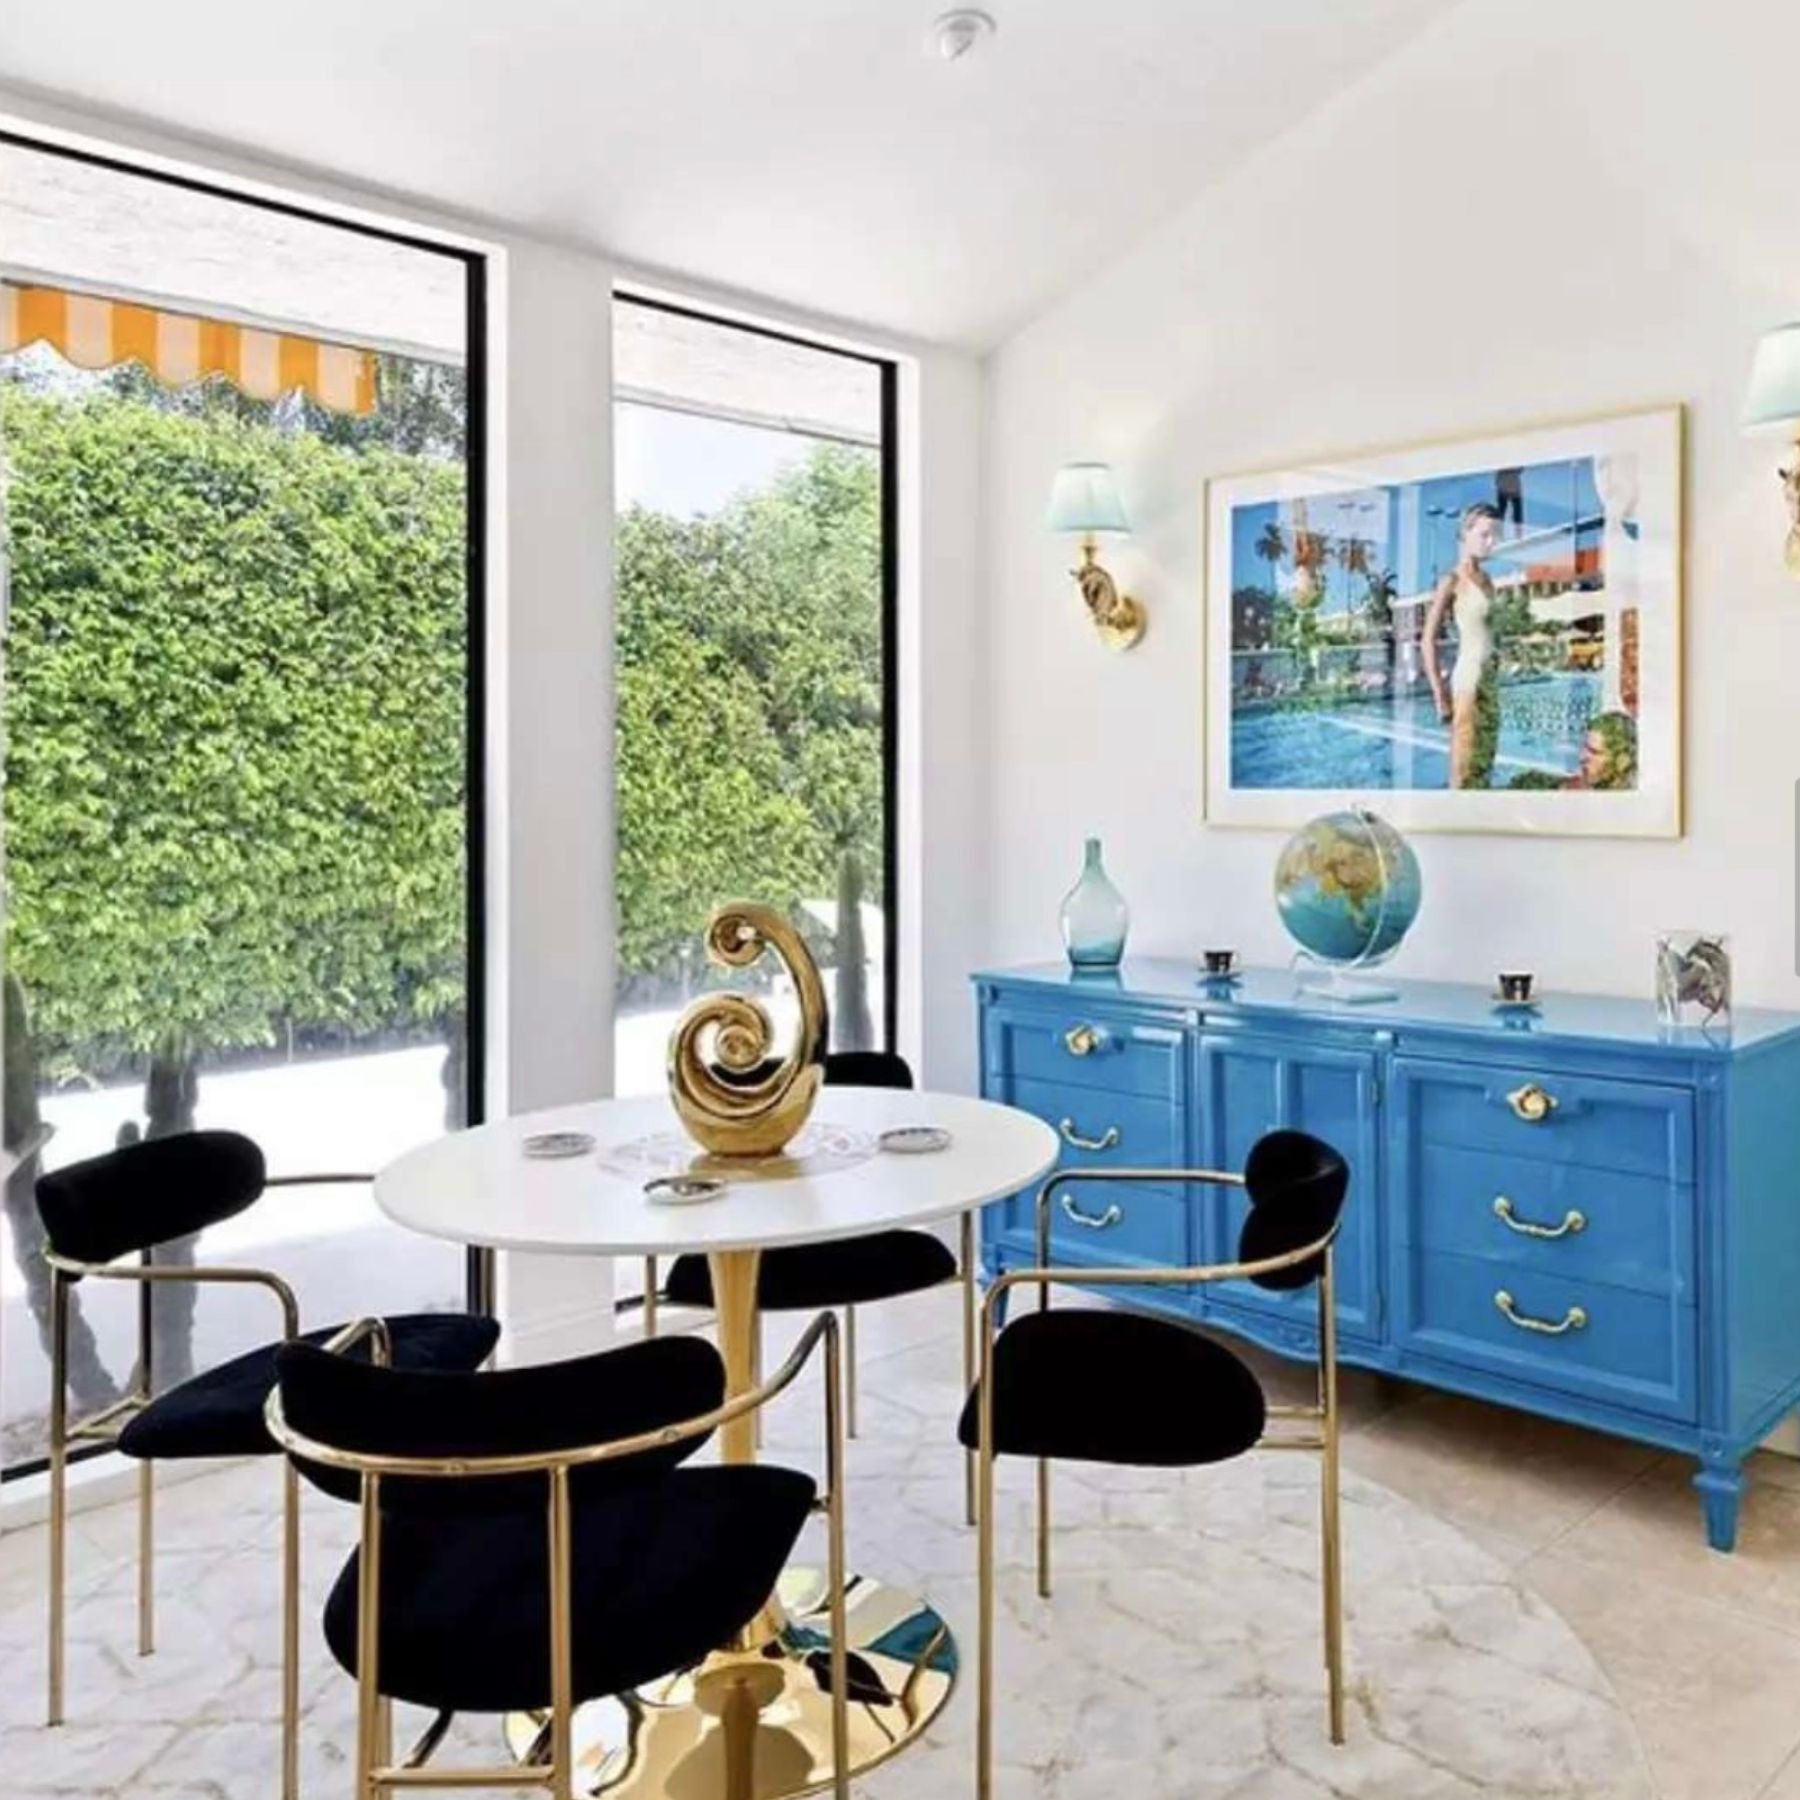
point(1073, 1136)
point(1092, 1221)
point(1575, 1319)
point(1572, 1221)
point(1532, 1103)
point(1081, 1040)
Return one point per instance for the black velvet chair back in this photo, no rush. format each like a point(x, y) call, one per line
point(867, 1068)
point(1296, 1187)
point(147, 1194)
point(350, 1403)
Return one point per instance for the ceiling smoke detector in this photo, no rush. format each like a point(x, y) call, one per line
point(961, 32)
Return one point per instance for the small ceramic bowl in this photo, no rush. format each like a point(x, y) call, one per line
point(547, 1146)
point(914, 1140)
point(683, 1190)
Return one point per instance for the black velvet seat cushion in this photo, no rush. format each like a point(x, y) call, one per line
point(880, 1265)
point(1117, 1387)
point(220, 1413)
point(665, 1569)
point(148, 1193)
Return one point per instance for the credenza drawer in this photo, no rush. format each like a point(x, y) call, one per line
point(1636, 1127)
point(1552, 1218)
point(1576, 1336)
point(1118, 1222)
point(1079, 1048)
point(1100, 1129)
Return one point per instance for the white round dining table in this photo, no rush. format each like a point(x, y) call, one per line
point(481, 1188)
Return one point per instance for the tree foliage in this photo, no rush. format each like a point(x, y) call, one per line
point(750, 683)
point(235, 736)
point(235, 730)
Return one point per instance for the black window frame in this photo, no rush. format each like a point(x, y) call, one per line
point(478, 1277)
point(888, 369)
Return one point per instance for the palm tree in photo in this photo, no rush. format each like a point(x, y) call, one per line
point(1353, 559)
point(1272, 546)
point(1382, 589)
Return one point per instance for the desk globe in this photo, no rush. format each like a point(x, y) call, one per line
point(1347, 887)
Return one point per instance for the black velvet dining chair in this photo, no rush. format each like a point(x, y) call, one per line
point(532, 1539)
point(845, 1272)
point(133, 1202)
point(1110, 1385)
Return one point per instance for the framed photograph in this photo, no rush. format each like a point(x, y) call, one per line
point(1474, 636)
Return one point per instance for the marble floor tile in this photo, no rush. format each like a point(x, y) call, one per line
point(1710, 1691)
point(1650, 1532)
point(1512, 1481)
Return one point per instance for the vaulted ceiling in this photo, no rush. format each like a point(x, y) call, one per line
point(814, 151)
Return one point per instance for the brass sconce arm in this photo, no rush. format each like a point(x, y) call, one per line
point(1117, 617)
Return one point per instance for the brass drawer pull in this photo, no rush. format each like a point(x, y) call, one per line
point(1071, 1135)
point(1082, 1040)
point(1575, 1319)
point(1573, 1221)
point(1532, 1103)
point(1092, 1221)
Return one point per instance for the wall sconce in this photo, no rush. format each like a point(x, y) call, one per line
point(1085, 498)
point(1773, 404)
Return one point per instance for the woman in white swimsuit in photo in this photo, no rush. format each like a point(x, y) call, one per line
point(1470, 701)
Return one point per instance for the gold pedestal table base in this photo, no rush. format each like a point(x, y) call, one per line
point(755, 1724)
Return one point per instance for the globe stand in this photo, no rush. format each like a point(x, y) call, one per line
point(1335, 981)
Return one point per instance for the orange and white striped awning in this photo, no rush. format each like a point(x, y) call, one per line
point(180, 348)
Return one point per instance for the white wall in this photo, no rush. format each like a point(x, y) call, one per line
point(1545, 207)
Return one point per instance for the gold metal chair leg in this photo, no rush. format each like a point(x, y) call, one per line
point(984, 1581)
point(968, 1351)
point(146, 1598)
point(650, 1297)
point(850, 1370)
point(59, 1486)
point(290, 1634)
point(1043, 1529)
point(562, 1660)
point(368, 1639)
point(836, 1575)
point(1330, 1512)
point(146, 1479)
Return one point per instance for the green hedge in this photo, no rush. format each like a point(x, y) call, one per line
point(235, 733)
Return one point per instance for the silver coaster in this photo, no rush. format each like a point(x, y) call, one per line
point(549, 1145)
point(914, 1140)
point(682, 1190)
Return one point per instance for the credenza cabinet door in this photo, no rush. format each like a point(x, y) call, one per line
point(1252, 1084)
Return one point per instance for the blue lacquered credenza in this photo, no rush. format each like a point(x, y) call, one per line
point(1569, 1211)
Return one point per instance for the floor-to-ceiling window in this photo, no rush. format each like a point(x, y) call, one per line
point(756, 682)
point(241, 448)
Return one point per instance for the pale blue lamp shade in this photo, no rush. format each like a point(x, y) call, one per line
point(1773, 403)
point(1086, 498)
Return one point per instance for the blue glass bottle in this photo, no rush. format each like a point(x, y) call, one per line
point(1095, 917)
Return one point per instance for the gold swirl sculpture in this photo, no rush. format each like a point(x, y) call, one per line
point(730, 1097)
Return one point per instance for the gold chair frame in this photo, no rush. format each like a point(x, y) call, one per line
point(964, 1277)
point(1323, 1415)
point(378, 1775)
point(103, 1428)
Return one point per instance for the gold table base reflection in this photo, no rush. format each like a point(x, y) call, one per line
point(756, 1724)
point(753, 1721)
